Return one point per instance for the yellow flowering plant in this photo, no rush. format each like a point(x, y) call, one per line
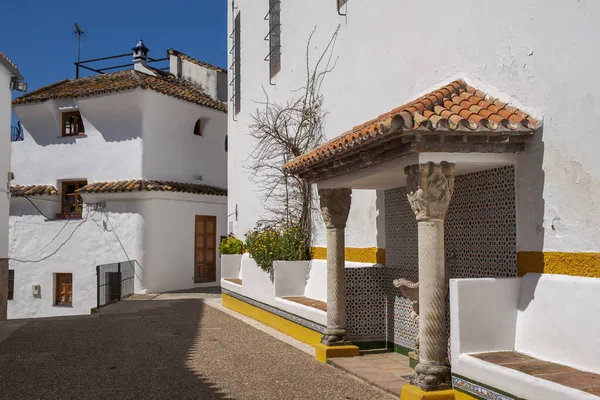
point(231, 245)
point(268, 243)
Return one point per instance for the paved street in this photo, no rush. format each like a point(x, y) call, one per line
point(179, 349)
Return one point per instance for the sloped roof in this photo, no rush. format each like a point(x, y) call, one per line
point(139, 185)
point(33, 190)
point(184, 56)
point(11, 66)
point(456, 109)
point(118, 82)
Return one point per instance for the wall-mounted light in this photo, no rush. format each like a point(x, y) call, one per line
point(18, 85)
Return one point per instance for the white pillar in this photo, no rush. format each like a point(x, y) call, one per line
point(335, 206)
point(430, 188)
point(3, 288)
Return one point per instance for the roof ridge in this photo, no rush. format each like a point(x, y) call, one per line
point(195, 60)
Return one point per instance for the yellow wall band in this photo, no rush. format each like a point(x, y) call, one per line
point(371, 255)
point(574, 264)
point(288, 327)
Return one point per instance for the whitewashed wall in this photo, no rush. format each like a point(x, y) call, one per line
point(170, 234)
point(39, 248)
point(541, 56)
point(5, 107)
point(173, 152)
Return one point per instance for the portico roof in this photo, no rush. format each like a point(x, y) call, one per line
point(455, 118)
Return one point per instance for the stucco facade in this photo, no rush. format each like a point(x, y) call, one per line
point(512, 56)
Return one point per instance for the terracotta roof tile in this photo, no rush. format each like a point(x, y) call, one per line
point(184, 56)
point(138, 185)
point(32, 190)
point(454, 107)
point(121, 81)
point(11, 66)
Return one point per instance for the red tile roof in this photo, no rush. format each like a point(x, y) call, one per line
point(184, 56)
point(121, 81)
point(138, 185)
point(33, 190)
point(456, 107)
point(11, 66)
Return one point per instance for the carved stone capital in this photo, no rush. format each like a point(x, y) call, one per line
point(430, 188)
point(335, 206)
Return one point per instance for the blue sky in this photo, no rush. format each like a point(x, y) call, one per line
point(37, 34)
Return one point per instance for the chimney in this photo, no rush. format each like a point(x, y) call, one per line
point(140, 56)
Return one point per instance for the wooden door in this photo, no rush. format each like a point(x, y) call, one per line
point(205, 254)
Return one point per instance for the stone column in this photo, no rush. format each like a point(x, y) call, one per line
point(335, 206)
point(3, 288)
point(430, 188)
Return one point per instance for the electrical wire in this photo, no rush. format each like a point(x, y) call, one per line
point(59, 247)
point(40, 211)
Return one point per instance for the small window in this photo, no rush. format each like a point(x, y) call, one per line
point(72, 206)
point(11, 284)
point(225, 143)
point(72, 124)
point(198, 128)
point(64, 289)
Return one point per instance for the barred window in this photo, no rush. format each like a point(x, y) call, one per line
point(274, 37)
point(235, 65)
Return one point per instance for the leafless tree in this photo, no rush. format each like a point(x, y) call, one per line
point(288, 129)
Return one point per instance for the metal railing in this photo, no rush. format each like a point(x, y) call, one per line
point(114, 281)
point(16, 133)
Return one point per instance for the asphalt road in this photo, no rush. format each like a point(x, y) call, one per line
point(180, 349)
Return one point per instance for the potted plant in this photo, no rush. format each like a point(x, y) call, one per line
point(231, 249)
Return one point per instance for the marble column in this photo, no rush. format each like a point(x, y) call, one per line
point(3, 288)
point(430, 188)
point(335, 206)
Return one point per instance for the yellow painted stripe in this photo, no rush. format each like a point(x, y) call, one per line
point(288, 327)
point(574, 264)
point(373, 255)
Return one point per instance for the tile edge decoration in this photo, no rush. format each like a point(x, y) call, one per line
point(478, 390)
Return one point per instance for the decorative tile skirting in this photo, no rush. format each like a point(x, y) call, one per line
point(478, 390)
point(283, 314)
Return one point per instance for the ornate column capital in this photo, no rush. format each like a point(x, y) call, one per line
point(335, 206)
point(430, 188)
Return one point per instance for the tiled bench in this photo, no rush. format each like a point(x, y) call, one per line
point(319, 305)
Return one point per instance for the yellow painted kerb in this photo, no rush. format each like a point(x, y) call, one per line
point(288, 327)
point(323, 352)
point(410, 392)
point(373, 255)
point(574, 264)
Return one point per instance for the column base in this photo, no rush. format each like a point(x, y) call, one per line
point(410, 392)
point(324, 352)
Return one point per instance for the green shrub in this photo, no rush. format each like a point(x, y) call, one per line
point(231, 245)
point(267, 244)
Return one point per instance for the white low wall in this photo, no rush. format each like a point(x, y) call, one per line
point(290, 278)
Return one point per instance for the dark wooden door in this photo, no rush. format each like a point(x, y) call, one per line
point(205, 253)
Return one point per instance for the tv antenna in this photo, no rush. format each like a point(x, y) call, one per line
point(79, 32)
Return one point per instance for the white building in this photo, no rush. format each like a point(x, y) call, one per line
point(123, 167)
point(516, 208)
point(8, 73)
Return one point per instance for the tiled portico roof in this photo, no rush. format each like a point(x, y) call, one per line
point(33, 190)
point(139, 185)
point(118, 82)
point(456, 113)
